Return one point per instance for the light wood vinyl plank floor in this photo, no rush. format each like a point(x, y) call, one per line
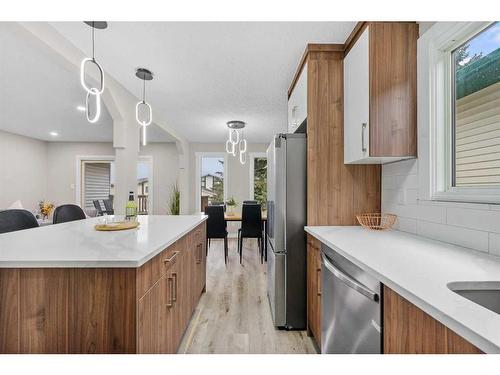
point(234, 316)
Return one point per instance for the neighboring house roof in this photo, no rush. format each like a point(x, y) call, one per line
point(141, 180)
point(212, 175)
point(478, 75)
point(207, 193)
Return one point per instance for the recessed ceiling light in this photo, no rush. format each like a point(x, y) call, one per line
point(54, 134)
point(81, 108)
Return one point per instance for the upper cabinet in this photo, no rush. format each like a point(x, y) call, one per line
point(297, 102)
point(380, 93)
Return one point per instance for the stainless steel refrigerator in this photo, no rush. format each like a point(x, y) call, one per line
point(286, 239)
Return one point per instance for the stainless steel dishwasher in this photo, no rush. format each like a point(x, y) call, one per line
point(350, 307)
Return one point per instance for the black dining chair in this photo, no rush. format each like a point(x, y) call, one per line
point(12, 220)
point(219, 204)
point(108, 205)
point(251, 227)
point(98, 207)
point(263, 225)
point(250, 202)
point(216, 226)
point(68, 212)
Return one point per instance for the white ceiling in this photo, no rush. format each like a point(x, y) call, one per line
point(206, 73)
point(40, 92)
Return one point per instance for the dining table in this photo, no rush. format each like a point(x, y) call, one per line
point(236, 216)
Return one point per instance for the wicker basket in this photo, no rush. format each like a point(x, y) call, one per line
point(376, 221)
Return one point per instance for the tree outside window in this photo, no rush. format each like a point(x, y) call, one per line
point(260, 180)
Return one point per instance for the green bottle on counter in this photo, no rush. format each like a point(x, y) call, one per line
point(131, 208)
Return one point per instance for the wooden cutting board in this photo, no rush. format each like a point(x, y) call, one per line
point(122, 225)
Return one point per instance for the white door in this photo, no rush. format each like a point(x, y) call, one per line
point(356, 101)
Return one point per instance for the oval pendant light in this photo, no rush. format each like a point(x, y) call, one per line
point(93, 92)
point(236, 143)
point(145, 75)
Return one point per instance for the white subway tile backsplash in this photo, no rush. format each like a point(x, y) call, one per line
point(472, 225)
point(494, 223)
point(407, 182)
point(392, 195)
point(435, 214)
point(410, 196)
point(470, 238)
point(494, 244)
point(474, 206)
point(389, 182)
point(463, 217)
point(406, 225)
point(401, 168)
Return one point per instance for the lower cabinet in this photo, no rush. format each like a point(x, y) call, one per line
point(409, 330)
point(406, 328)
point(164, 311)
point(314, 288)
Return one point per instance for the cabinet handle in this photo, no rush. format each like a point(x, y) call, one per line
point(199, 251)
point(363, 128)
point(170, 288)
point(171, 258)
point(174, 277)
point(318, 280)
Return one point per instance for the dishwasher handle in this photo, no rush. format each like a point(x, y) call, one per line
point(349, 281)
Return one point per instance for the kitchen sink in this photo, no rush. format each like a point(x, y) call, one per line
point(484, 293)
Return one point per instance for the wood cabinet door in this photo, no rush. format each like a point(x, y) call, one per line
point(204, 256)
point(200, 275)
point(311, 281)
point(178, 320)
point(165, 320)
point(313, 289)
point(191, 275)
point(317, 295)
point(409, 330)
point(184, 298)
point(148, 321)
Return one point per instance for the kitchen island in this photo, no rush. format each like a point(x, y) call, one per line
point(68, 288)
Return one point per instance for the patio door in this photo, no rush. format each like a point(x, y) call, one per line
point(96, 183)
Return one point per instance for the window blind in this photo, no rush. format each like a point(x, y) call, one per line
point(96, 183)
point(477, 138)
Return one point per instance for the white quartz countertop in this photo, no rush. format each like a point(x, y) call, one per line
point(77, 244)
point(419, 269)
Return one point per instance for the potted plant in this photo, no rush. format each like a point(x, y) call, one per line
point(175, 198)
point(231, 205)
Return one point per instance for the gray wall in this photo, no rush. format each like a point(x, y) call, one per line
point(62, 167)
point(165, 173)
point(32, 170)
point(23, 170)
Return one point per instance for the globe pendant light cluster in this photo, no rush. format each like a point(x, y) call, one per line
point(236, 143)
point(93, 93)
point(145, 75)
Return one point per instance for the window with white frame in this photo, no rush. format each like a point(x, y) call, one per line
point(462, 60)
point(476, 110)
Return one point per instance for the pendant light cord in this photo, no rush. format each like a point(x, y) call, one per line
point(93, 44)
point(144, 90)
